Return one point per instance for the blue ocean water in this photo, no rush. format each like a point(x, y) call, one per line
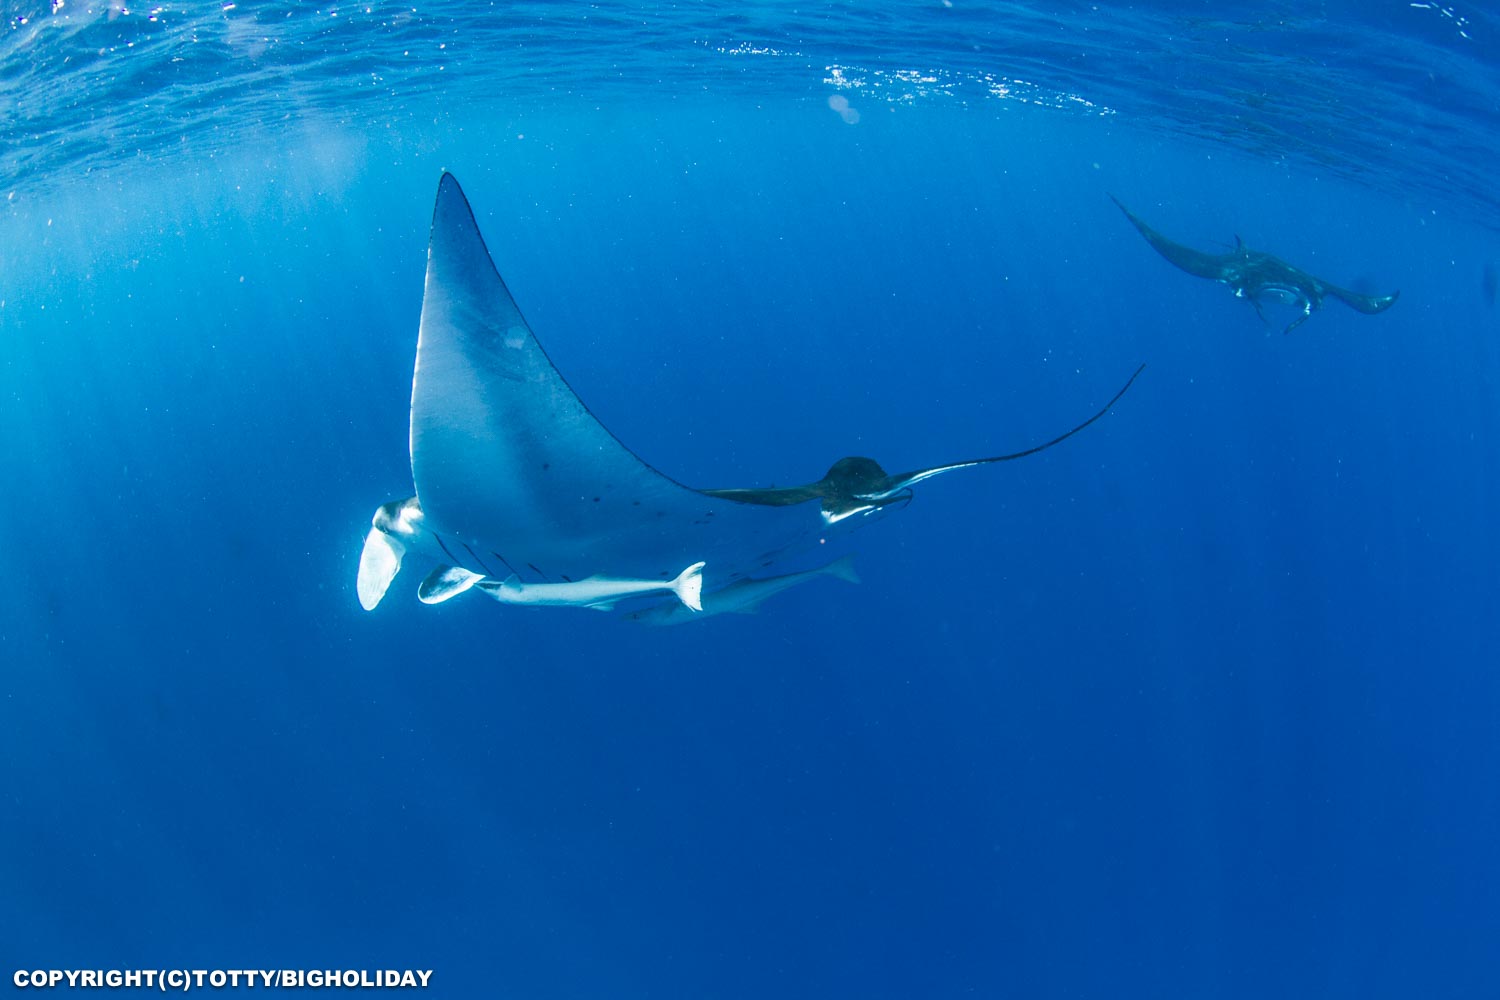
point(1202, 702)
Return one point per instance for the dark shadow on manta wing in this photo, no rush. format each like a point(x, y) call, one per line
point(1258, 277)
point(514, 475)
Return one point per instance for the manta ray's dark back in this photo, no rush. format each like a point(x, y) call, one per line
point(1256, 276)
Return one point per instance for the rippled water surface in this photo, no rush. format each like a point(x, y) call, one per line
point(1405, 97)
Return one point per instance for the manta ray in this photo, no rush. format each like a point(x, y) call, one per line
point(523, 495)
point(1258, 276)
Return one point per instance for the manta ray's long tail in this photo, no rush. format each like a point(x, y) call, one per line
point(1063, 437)
point(892, 488)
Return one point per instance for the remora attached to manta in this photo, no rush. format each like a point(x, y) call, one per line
point(523, 494)
point(1258, 276)
point(743, 597)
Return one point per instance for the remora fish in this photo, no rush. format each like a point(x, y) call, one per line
point(743, 596)
point(598, 592)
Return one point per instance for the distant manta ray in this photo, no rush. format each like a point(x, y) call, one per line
point(522, 494)
point(1255, 276)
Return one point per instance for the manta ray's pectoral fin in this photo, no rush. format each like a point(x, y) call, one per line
point(446, 582)
point(1194, 262)
point(770, 496)
point(891, 489)
point(1367, 304)
point(379, 561)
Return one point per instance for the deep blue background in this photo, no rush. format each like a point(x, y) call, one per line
point(1201, 703)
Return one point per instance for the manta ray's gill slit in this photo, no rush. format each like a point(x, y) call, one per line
point(532, 567)
point(487, 570)
point(503, 561)
point(447, 551)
